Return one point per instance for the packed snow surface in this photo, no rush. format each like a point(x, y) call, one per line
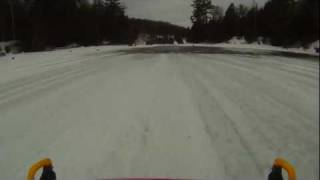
point(159, 111)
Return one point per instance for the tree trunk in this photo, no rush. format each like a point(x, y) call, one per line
point(12, 20)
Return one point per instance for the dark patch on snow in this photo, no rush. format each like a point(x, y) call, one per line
point(255, 53)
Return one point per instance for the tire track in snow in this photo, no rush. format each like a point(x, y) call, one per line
point(220, 77)
point(9, 86)
point(271, 89)
point(93, 68)
point(265, 68)
point(242, 86)
point(36, 84)
point(220, 127)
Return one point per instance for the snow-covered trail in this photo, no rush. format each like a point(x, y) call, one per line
point(102, 114)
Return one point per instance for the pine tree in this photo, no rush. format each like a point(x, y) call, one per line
point(115, 21)
point(251, 25)
point(202, 11)
point(230, 21)
point(11, 11)
point(278, 16)
point(53, 22)
point(305, 25)
point(201, 16)
point(242, 21)
point(216, 13)
point(114, 8)
point(4, 17)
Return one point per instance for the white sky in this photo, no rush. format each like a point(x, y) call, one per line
point(174, 11)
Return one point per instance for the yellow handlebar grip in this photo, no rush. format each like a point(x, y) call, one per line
point(287, 166)
point(38, 165)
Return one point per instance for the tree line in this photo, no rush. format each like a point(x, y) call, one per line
point(281, 22)
point(38, 24)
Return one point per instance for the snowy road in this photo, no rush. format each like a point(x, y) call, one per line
point(160, 111)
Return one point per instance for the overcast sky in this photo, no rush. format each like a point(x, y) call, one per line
point(174, 11)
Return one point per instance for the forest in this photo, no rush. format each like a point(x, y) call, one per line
point(278, 22)
point(38, 24)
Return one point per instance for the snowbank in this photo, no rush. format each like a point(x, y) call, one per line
point(237, 40)
point(313, 48)
point(240, 42)
point(8, 47)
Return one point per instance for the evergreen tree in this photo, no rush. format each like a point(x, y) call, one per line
point(215, 25)
point(305, 25)
point(87, 23)
point(52, 22)
point(201, 16)
point(242, 21)
point(251, 30)
point(115, 21)
point(4, 17)
point(230, 22)
point(278, 16)
point(202, 11)
point(11, 15)
point(216, 13)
